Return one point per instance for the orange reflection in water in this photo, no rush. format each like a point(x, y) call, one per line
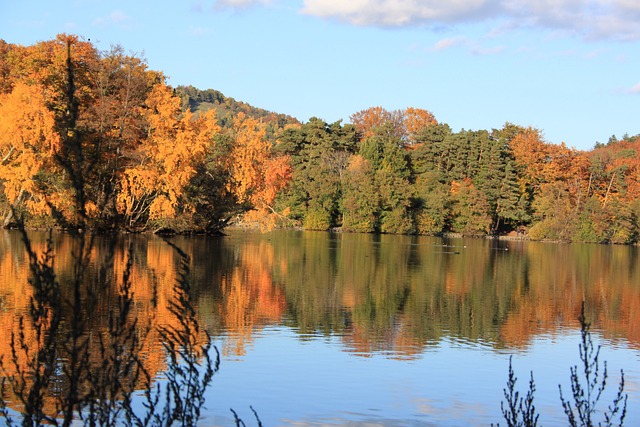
point(250, 298)
point(153, 276)
point(391, 294)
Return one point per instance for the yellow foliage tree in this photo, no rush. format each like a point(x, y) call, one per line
point(249, 154)
point(256, 175)
point(27, 144)
point(152, 188)
point(415, 121)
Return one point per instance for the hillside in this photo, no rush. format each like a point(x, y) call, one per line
point(200, 101)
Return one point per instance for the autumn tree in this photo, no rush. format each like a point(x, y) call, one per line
point(615, 170)
point(6, 52)
point(609, 211)
point(152, 190)
point(121, 84)
point(367, 121)
point(28, 142)
point(249, 153)
point(257, 174)
point(59, 83)
point(406, 124)
point(554, 213)
point(95, 100)
point(47, 64)
point(415, 122)
point(539, 162)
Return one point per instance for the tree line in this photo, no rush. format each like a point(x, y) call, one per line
point(153, 157)
point(403, 172)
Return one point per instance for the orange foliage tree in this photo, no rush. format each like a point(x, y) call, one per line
point(366, 121)
point(91, 104)
point(45, 64)
point(415, 122)
point(27, 144)
point(540, 162)
point(256, 174)
point(407, 124)
point(42, 72)
point(152, 188)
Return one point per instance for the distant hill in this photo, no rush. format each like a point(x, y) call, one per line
point(226, 107)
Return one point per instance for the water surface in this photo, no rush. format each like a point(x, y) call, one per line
point(354, 329)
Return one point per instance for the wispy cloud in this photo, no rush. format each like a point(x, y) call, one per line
point(492, 50)
point(635, 89)
point(396, 13)
point(588, 19)
point(115, 18)
point(475, 47)
point(240, 4)
point(197, 6)
point(447, 43)
point(199, 31)
point(596, 53)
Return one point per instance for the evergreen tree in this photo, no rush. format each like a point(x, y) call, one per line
point(432, 202)
point(361, 201)
point(430, 150)
point(470, 209)
point(511, 206)
point(390, 162)
point(319, 155)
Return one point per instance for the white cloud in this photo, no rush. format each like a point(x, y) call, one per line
point(197, 6)
point(397, 13)
point(473, 46)
point(199, 31)
point(240, 4)
point(447, 43)
point(115, 18)
point(631, 6)
point(596, 53)
point(635, 89)
point(493, 50)
point(589, 19)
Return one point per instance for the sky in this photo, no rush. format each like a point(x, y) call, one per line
point(570, 68)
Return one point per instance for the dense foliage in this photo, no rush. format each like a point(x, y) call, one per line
point(74, 117)
point(382, 175)
point(158, 158)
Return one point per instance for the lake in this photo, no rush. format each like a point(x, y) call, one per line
point(320, 328)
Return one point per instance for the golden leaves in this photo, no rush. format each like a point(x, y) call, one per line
point(27, 140)
point(407, 124)
point(249, 154)
point(256, 175)
point(167, 159)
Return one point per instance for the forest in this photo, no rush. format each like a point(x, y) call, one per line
point(151, 157)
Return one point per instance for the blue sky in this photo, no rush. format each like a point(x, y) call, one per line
point(568, 67)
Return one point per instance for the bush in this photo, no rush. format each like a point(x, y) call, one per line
point(587, 386)
point(101, 371)
point(317, 219)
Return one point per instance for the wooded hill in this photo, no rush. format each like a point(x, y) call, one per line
point(226, 108)
point(98, 138)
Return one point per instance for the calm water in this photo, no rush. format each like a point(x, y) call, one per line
point(349, 329)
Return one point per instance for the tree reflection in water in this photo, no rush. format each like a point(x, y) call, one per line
point(77, 350)
point(395, 297)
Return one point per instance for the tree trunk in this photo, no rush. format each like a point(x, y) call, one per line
point(11, 215)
